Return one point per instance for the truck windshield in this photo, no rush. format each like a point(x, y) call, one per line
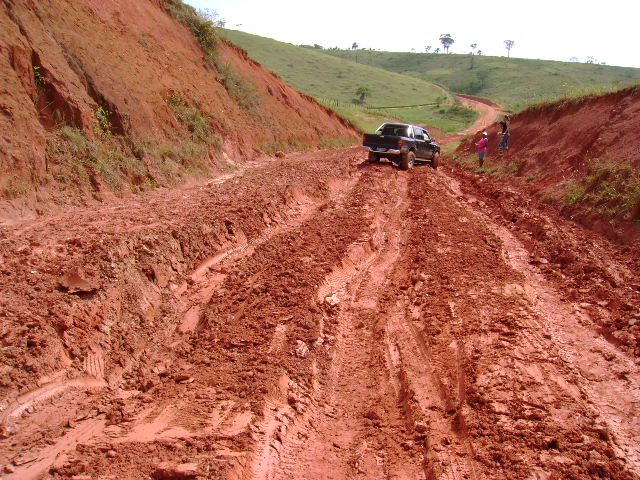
point(396, 130)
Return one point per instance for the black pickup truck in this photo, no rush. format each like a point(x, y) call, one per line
point(402, 144)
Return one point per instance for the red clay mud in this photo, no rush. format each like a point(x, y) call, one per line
point(309, 316)
point(314, 317)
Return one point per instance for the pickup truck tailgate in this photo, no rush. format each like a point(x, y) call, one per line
point(380, 143)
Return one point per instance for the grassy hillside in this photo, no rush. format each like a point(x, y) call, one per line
point(513, 82)
point(334, 81)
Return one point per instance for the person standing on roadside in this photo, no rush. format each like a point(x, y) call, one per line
point(483, 146)
point(504, 134)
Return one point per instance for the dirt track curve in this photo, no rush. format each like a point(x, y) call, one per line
point(488, 113)
point(317, 317)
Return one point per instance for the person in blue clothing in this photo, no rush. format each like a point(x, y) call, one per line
point(504, 134)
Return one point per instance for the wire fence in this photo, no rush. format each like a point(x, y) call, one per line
point(332, 102)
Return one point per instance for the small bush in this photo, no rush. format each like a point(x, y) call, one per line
point(203, 24)
point(273, 147)
point(73, 135)
point(104, 124)
point(460, 112)
point(575, 193)
point(13, 15)
point(39, 77)
point(240, 89)
point(145, 42)
point(190, 117)
point(613, 188)
point(75, 161)
point(15, 187)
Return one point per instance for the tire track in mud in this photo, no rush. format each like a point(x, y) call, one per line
point(431, 377)
point(248, 328)
point(538, 339)
point(490, 403)
point(204, 281)
point(356, 423)
point(606, 378)
point(150, 427)
point(602, 378)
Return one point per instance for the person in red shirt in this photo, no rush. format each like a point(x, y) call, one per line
point(483, 146)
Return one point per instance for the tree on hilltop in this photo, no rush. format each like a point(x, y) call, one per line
point(427, 48)
point(354, 47)
point(446, 40)
point(508, 45)
point(473, 51)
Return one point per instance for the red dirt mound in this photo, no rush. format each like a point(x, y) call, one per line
point(570, 151)
point(166, 110)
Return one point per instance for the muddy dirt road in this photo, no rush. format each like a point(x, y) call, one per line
point(318, 317)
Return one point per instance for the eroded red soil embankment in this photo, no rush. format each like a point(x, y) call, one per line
point(555, 145)
point(319, 316)
point(62, 60)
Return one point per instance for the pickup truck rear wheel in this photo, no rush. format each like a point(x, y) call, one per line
point(408, 159)
point(436, 160)
point(373, 158)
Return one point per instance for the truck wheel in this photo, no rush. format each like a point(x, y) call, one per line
point(407, 161)
point(436, 160)
point(373, 158)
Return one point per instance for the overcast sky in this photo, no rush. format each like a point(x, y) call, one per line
point(609, 31)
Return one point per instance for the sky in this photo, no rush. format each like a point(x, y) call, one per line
point(546, 29)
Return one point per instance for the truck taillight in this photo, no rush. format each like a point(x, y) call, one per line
point(400, 142)
point(363, 141)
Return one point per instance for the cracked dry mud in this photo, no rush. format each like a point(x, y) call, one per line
point(317, 317)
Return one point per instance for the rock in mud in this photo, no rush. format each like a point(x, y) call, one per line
point(333, 299)
point(183, 378)
point(539, 261)
point(420, 427)
point(301, 349)
point(73, 282)
point(171, 471)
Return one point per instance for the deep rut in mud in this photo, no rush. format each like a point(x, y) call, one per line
point(314, 317)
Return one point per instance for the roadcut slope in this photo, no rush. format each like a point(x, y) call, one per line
point(112, 98)
point(581, 155)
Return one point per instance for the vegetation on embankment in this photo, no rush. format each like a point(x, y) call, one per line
point(513, 82)
point(335, 83)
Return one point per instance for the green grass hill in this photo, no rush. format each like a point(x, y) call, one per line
point(512, 82)
point(335, 81)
